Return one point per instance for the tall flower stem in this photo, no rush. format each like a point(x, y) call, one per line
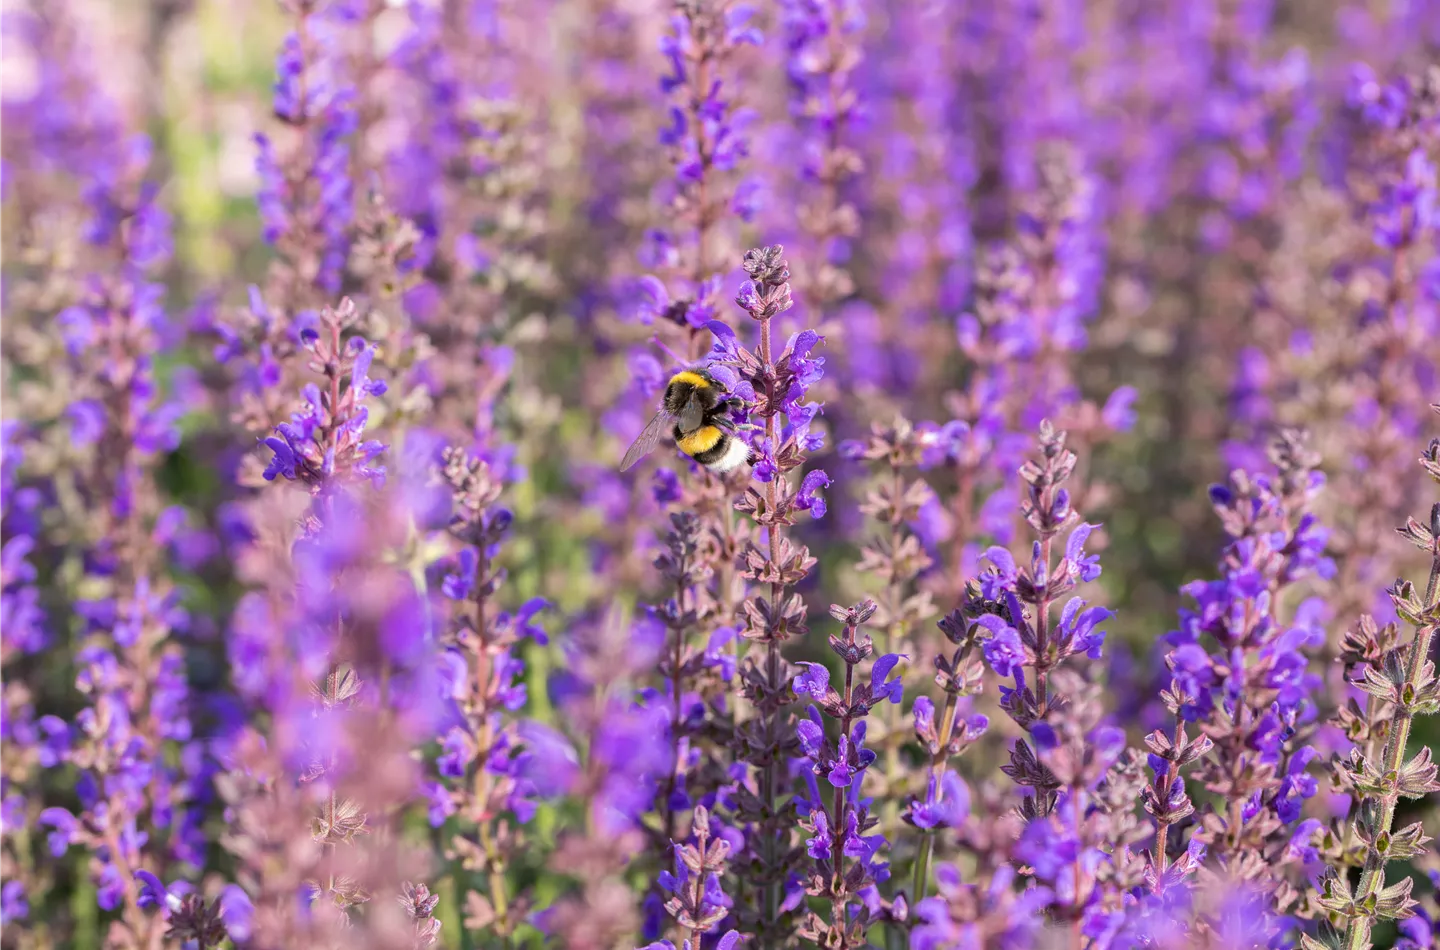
point(841, 833)
point(677, 657)
point(706, 144)
point(772, 646)
point(824, 43)
point(487, 679)
point(837, 820)
point(1395, 776)
point(896, 555)
point(679, 563)
point(961, 673)
point(1160, 858)
point(894, 640)
point(1042, 616)
point(1372, 878)
point(937, 768)
point(774, 385)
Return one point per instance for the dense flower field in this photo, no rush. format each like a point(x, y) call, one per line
point(1080, 590)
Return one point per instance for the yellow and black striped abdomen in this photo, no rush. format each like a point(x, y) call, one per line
point(703, 443)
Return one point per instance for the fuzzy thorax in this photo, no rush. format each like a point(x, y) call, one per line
point(692, 378)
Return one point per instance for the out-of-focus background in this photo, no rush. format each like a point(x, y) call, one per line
point(197, 78)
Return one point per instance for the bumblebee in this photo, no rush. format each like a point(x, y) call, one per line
point(695, 411)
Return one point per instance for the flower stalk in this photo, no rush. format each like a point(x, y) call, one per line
point(1402, 679)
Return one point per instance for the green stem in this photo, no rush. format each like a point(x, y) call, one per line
point(1371, 704)
point(937, 768)
point(1042, 624)
point(677, 659)
point(1161, 859)
point(837, 823)
point(772, 647)
point(894, 639)
point(495, 870)
point(332, 804)
point(697, 896)
point(1372, 878)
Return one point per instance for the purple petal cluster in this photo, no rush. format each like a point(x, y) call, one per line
point(843, 827)
point(324, 442)
point(775, 388)
point(823, 48)
point(1073, 765)
point(706, 141)
point(1241, 672)
point(23, 621)
point(126, 745)
point(490, 762)
point(306, 196)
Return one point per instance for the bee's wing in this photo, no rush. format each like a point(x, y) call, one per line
point(692, 416)
point(646, 441)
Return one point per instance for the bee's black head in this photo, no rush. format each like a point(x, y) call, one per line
point(692, 384)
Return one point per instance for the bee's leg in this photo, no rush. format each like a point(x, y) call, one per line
point(730, 425)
